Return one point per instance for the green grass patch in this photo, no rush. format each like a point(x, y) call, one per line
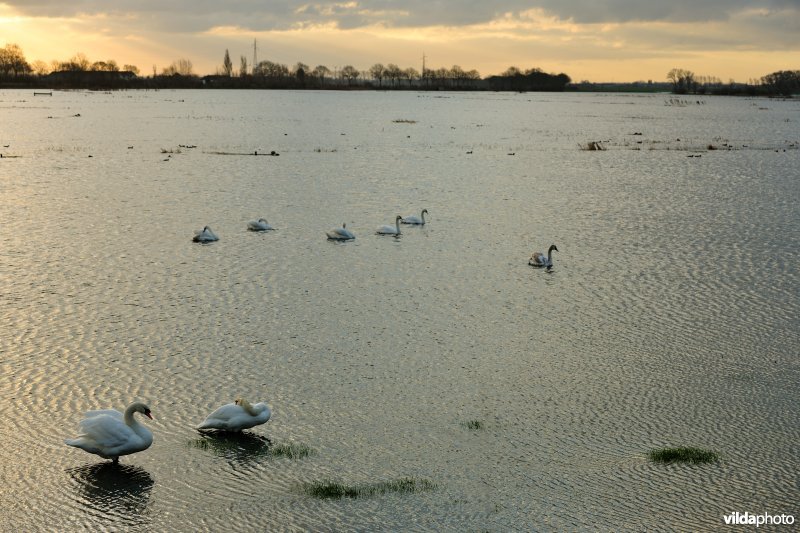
point(473, 424)
point(683, 454)
point(291, 450)
point(232, 444)
point(333, 489)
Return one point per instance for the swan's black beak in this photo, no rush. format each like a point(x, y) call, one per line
point(148, 415)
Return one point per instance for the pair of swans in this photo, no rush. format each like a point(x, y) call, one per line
point(207, 235)
point(111, 434)
point(538, 259)
point(410, 219)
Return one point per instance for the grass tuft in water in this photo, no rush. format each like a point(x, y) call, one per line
point(291, 450)
point(473, 424)
point(333, 489)
point(244, 444)
point(683, 454)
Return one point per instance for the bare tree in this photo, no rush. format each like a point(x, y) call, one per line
point(242, 66)
point(376, 71)
point(349, 73)
point(683, 81)
point(393, 72)
point(131, 68)
point(227, 66)
point(80, 61)
point(410, 74)
point(105, 66)
point(40, 68)
point(268, 69)
point(784, 82)
point(320, 71)
point(12, 61)
point(181, 67)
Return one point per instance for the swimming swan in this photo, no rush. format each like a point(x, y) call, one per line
point(110, 434)
point(205, 235)
point(414, 219)
point(259, 225)
point(237, 416)
point(390, 230)
point(340, 234)
point(539, 260)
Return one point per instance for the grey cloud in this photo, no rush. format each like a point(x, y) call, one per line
point(199, 15)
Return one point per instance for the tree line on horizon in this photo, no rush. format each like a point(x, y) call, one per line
point(782, 82)
point(80, 72)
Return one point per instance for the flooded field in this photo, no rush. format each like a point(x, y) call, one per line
point(429, 381)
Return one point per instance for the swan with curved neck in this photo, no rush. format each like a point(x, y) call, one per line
point(414, 219)
point(340, 234)
point(237, 416)
point(390, 230)
point(538, 259)
point(111, 434)
point(205, 235)
point(259, 225)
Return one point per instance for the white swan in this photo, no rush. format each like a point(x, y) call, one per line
point(414, 219)
point(205, 235)
point(340, 234)
point(110, 434)
point(259, 225)
point(390, 230)
point(538, 259)
point(237, 416)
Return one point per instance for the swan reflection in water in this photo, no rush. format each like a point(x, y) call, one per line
point(117, 493)
point(238, 447)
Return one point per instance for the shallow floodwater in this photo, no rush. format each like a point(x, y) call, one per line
point(529, 399)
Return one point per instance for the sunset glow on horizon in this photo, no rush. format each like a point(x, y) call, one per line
point(610, 41)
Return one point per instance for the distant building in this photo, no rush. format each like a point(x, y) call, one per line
point(90, 78)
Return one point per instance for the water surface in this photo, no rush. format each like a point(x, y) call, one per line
point(670, 318)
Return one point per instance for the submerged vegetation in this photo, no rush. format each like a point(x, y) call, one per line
point(248, 445)
point(683, 454)
point(333, 489)
point(473, 424)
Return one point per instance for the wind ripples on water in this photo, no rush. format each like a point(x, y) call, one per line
point(529, 398)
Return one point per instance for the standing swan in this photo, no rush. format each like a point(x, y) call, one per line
point(110, 434)
point(340, 234)
point(205, 235)
point(259, 225)
point(539, 260)
point(414, 219)
point(390, 230)
point(237, 416)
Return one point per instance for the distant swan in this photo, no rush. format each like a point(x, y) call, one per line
point(259, 225)
point(390, 230)
point(205, 235)
point(414, 219)
point(340, 234)
point(110, 434)
point(539, 260)
point(237, 416)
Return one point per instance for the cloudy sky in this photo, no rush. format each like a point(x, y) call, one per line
point(597, 40)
